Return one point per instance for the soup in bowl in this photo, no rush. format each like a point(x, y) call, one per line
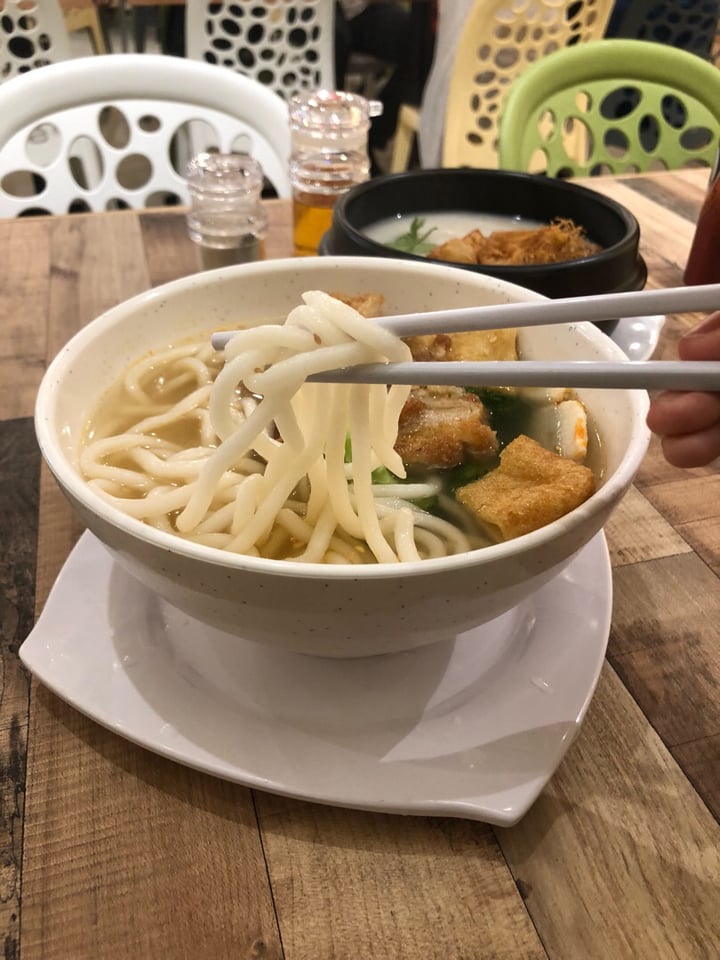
point(407, 215)
point(331, 606)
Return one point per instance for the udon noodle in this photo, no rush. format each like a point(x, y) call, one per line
point(241, 453)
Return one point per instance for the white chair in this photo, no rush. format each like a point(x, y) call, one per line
point(32, 34)
point(130, 112)
point(287, 46)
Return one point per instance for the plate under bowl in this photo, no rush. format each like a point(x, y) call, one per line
point(473, 727)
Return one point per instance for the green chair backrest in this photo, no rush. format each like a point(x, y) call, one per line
point(611, 106)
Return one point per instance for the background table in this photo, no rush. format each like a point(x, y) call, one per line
point(109, 851)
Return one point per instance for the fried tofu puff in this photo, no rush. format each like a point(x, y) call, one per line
point(473, 345)
point(530, 488)
point(366, 304)
point(457, 250)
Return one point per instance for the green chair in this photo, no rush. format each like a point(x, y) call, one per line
point(611, 106)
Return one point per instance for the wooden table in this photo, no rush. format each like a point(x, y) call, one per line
point(110, 852)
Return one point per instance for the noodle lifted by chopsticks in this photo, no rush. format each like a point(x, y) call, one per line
point(267, 474)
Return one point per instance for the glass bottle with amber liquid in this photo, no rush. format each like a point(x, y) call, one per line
point(329, 131)
point(703, 265)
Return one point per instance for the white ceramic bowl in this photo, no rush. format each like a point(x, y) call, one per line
point(324, 610)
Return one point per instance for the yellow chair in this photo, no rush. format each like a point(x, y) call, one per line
point(499, 40)
point(405, 133)
point(83, 15)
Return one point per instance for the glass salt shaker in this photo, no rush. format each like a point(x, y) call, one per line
point(703, 265)
point(226, 217)
point(329, 136)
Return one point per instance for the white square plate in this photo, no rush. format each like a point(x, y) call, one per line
point(470, 728)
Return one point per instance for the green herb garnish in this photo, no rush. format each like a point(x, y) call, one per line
point(413, 241)
point(383, 475)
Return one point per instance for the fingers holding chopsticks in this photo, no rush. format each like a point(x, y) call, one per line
point(703, 341)
point(689, 422)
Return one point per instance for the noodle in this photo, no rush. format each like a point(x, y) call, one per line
point(249, 457)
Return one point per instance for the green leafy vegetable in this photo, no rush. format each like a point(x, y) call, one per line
point(508, 412)
point(414, 241)
point(428, 504)
point(466, 473)
point(383, 475)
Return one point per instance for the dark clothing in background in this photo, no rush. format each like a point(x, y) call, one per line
point(687, 24)
point(174, 30)
point(398, 36)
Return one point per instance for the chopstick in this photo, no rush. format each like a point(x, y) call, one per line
point(603, 374)
point(609, 306)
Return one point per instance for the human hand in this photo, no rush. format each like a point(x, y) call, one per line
point(689, 422)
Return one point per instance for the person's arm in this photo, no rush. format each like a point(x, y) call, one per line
point(689, 423)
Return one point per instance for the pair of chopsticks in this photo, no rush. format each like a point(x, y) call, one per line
point(666, 375)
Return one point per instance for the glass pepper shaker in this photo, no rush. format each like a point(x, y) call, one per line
point(226, 218)
point(329, 136)
point(703, 265)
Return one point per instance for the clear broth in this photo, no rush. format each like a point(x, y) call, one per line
point(446, 226)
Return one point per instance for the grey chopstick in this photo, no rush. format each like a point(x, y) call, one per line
point(640, 375)
point(610, 306)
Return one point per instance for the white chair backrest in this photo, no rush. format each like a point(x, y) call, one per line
point(108, 132)
point(286, 45)
point(32, 34)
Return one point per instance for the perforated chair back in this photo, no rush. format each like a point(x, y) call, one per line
point(639, 106)
point(690, 25)
point(285, 45)
point(108, 132)
point(500, 38)
point(32, 34)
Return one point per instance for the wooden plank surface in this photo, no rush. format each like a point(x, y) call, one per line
point(619, 858)
point(437, 888)
point(24, 290)
point(666, 884)
point(163, 862)
point(125, 854)
point(19, 481)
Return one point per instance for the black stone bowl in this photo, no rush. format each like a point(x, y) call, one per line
point(616, 267)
